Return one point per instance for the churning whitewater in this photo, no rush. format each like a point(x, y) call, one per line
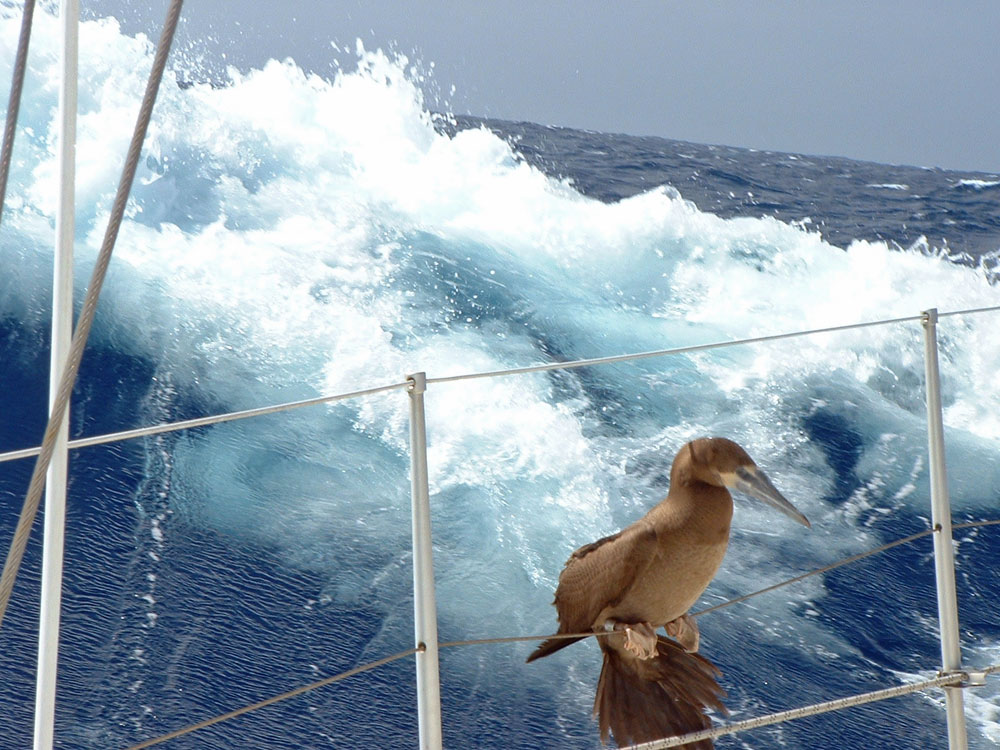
point(291, 235)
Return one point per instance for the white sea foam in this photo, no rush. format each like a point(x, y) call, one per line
point(978, 184)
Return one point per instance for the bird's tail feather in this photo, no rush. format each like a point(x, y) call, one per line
point(643, 700)
point(550, 646)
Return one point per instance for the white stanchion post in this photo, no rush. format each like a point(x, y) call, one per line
point(62, 333)
point(424, 607)
point(944, 556)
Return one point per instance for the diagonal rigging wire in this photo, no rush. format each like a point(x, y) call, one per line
point(72, 366)
point(824, 569)
point(752, 723)
point(14, 102)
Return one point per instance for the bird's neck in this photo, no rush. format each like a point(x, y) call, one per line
point(702, 509)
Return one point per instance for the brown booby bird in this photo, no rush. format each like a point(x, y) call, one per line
point(648, 576)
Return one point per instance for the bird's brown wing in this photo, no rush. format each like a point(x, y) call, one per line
point(600, 574)
point(597, 575)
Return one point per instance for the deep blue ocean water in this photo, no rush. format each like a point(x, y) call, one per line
point(291, 236)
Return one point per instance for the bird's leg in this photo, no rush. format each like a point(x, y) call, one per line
point(685, 631)
point(640, 638)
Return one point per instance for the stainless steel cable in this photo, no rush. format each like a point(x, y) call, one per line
point(799, 713)
point(696, 348)
point(277, 699)
point(188, 424)
point(738, 599)
point(666, 352)
point(817, 571)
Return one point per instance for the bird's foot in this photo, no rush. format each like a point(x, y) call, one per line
point(685, 631)
point(640, 638)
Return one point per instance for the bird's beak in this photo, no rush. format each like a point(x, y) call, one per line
point(752, 481)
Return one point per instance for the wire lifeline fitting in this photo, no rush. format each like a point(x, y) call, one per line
point(33, 497)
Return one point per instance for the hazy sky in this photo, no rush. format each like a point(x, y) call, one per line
point(898, 81)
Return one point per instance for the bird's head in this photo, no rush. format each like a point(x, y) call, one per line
point(723, 463)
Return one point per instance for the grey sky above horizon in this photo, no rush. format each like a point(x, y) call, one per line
point(897, 81)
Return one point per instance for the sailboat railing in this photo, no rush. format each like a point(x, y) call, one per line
point(402, 385)
point(951, 677)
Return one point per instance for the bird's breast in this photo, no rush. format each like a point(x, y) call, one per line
point(675, 579)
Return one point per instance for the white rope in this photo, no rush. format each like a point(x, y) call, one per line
point(798, 713)
point(33, 497)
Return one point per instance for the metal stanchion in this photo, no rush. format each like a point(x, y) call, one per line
point(424, 607)
point(944, 556)
point(62, 334)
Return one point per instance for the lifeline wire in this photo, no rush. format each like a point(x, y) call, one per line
point(14, 102)
point(37, 484)
point(798, 713)
point(727, 729)
point(203, 421)
point(188, 424)
point(278, 698)
point(696, 347)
